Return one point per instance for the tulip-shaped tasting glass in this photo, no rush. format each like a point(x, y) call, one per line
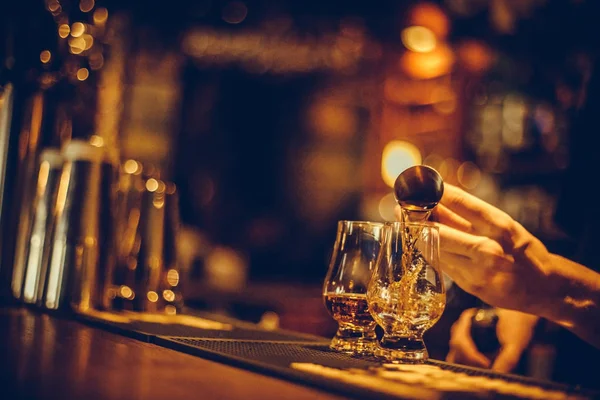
point(354, 255)
point(406, 294)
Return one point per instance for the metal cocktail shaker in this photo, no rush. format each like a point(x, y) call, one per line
point(147, 276)
point(157, 274)
point(36, 257)
point(82, 251)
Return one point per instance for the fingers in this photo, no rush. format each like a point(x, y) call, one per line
point(466, 274)
point(485, 219)
point(456, 266)
point(481, 249)
point(468, 355)
point(462, 347)
point(507, 359)
point(447, 217)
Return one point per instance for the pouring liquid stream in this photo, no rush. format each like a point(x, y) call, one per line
point(418, 191)
point(412, 212)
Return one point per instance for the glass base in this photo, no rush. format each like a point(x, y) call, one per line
point(402, 350)
point(353, 342)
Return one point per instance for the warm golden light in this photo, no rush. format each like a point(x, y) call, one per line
point(430, 15)
point(396, 157)
point(83, 74)
point(433, 160)
point(77, 45)
point(419, 39)
point(468, 175)
point(170, 310)
point(152, 296)
point(433, 64)
point(45, 56)
point(53, 6)
point(168, 295)
point(43, 176)
point(63, 187)
point(89, 41)
point(154, 262)
point(64, 30)
point(443, 100)
point(173, 277)
point(86, 5)
point(151, 185)
point(269, 321)
point(475, 56)
point(386, 207)
point(100, 15)
point(130, 167)
point(448, 169)
point(126, 292)
point(61, 196)
point(96, 141)
point(333, 120)
point(77, 29)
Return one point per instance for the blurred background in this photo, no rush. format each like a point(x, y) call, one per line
point(276, 119)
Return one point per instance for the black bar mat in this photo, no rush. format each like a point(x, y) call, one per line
point(273, 358)
point(276, 358)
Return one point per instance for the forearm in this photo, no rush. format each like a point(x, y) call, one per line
point(574, 299)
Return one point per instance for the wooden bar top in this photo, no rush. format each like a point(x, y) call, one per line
point(49, 357)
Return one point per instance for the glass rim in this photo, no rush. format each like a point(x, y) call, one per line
point(360, 222)
point(428, 224)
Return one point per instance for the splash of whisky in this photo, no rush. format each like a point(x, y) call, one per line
point(412, 263)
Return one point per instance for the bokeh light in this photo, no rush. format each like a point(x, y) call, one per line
point(96, 141)
point(396, 157)
point(131, 167)
point(386, 207)
point(83, 74)
point(64, 30)
point(419, 39)
point(77, 29)
point(86, 5)
point(433, 64)
point(430, 15)
point(152, 296)
point(468, 175)
point(475, 56)
point(173, 277)
point(100, 15)
point(45, 56)
point(152, 185)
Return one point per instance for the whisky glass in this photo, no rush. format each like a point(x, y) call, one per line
point(354, 255)
point(406, 295)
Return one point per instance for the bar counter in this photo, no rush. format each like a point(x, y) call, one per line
point(48, 357)
point(151, 356)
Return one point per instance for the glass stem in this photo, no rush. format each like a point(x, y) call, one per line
point(403, 349)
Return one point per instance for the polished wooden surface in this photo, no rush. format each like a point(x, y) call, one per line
point(46, 357)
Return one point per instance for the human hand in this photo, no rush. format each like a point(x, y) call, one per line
point(514, 331)
point(490, 255)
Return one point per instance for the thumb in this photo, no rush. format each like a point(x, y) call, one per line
point(507, 359)
point(464, 351)
point(472, 356)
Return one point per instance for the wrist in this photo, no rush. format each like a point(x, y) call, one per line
point(572, 298)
